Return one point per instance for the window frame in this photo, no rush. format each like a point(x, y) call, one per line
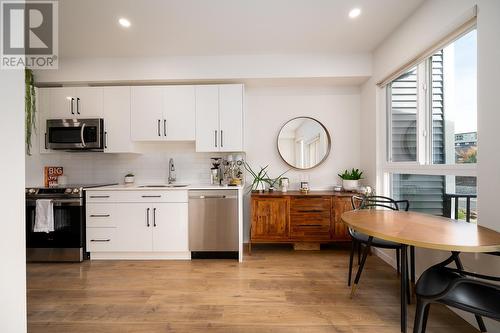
point(423, 165)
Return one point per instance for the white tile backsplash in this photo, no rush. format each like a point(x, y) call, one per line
point(149, 166)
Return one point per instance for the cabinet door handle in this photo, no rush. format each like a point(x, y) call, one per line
point(154, 217)
point(106, 139)
point(46, 141)
point(159, 133)
point(100, 240)
point(78, 105)
point(151, 196)
point(100, 215)
point(221, 138)
point(99, 196)
point(165, 127)
point(71, 105)
point(215, 136)
point(147, 217)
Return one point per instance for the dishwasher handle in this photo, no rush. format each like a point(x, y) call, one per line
point(210, 197)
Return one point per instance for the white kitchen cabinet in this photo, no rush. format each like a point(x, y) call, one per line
point(79, 102)
point(146, 113)
point(129, 229)
point(170, 227)
point(207, 118)
point(231, 117)
point(163, 113)
point(219, 118)
point(136, 224)
point(42, 98)
point(179, 113)
point(116, 102)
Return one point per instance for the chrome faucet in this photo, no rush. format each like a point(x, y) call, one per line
point(171, 171)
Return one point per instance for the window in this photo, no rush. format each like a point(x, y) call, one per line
point(432, 132)
point(432, 108)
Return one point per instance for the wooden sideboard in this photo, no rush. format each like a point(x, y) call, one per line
point(295, 217)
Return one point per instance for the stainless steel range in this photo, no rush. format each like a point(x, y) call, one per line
point(65, 241)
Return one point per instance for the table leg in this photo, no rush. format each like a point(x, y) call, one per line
point(404, 282)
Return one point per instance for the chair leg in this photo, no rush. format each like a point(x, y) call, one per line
point(351, 259)
point(408, 293)
point(412, 269)
point(359, 253)
point(398, 256)
point(362, 264)
point(421, 317)
point(480, 323)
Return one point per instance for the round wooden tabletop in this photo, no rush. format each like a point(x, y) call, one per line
point(423, 230)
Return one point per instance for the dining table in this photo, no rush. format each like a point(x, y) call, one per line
point(415, 229)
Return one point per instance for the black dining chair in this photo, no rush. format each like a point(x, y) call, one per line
point(467, 291)
point(358, 238)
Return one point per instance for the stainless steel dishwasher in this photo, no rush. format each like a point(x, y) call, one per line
point(213, 224)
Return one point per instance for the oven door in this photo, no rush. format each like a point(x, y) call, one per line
point(66, 242)
point(74, 134)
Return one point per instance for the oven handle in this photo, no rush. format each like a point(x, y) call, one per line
point(81, 136)
point(59, 202)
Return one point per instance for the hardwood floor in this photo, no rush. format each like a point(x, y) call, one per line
point(274, 290)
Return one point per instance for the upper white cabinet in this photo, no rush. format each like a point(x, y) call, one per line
point(231, 117)
point(163, 113)
point(71, 102)
point(117, 120)
point(219, 118)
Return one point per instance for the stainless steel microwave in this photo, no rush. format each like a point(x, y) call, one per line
point(75, 134)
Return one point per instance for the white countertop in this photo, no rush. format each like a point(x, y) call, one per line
point(137, 187)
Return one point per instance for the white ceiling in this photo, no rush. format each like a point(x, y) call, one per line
point(220, 27)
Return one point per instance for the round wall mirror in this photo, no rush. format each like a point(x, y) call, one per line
point(303, 143)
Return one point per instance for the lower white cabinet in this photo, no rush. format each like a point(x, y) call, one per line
point(170, 227)
point(135, 228)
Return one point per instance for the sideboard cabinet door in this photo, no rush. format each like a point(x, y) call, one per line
point(339, 229)
point(270, 219)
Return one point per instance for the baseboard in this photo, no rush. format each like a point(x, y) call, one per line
point(384, 256)
point(140, 255)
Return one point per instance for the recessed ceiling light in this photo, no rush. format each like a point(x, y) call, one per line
point(124, 22)
point(355, 12)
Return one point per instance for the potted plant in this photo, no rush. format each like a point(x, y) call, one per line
point(259, 178)
point(350, 179)
point(273, 182)
point(129, 178)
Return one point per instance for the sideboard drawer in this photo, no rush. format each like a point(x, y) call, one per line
point(310, 205)
point(310, 231)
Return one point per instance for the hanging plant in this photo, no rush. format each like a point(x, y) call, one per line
point(29, 107)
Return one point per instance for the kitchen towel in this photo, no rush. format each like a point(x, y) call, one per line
point(44, 216)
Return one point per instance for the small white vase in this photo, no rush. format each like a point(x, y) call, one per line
point(260, 186)
point(349, 184)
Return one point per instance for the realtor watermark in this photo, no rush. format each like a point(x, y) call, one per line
point(29, 34)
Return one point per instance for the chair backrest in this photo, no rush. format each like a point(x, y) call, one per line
point(362, 202)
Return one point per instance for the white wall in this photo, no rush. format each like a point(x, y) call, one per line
point(267, 109)
point(424, 27)
point(12, 245)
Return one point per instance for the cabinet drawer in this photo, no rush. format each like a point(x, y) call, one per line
point(100, 215)
point(101, 239)
point(311, 231)
point(310, 219)
point(137, 196)
point(310, 205)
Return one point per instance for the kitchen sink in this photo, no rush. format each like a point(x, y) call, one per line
point(164, 186)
